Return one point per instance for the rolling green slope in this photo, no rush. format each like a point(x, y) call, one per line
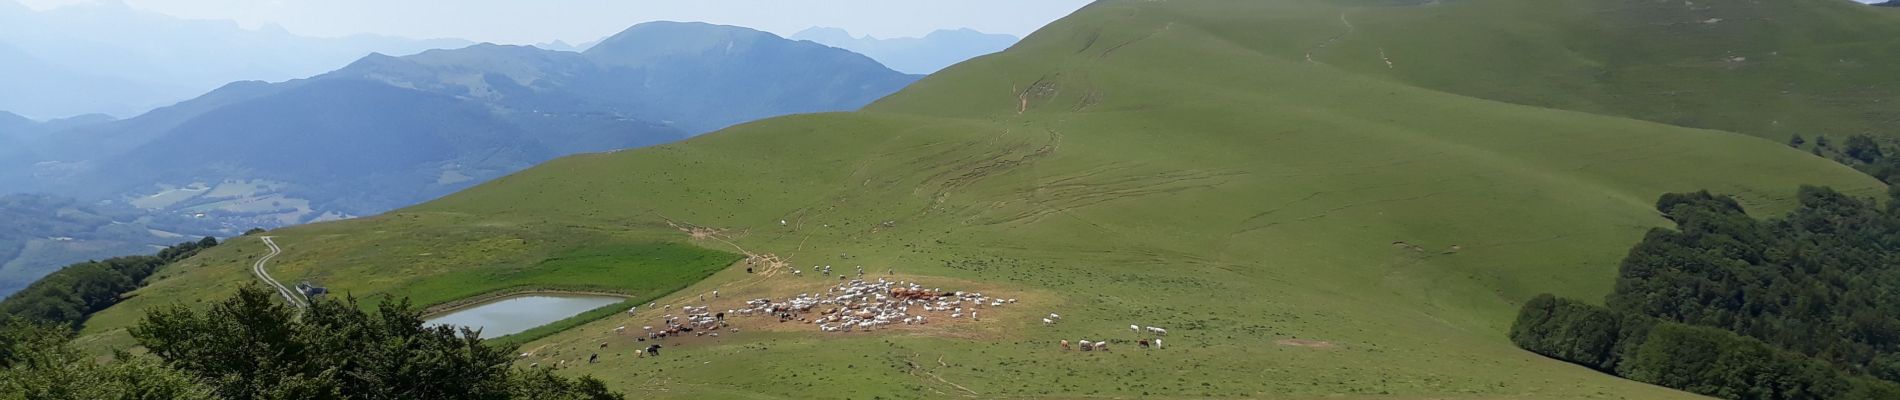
point(1304, 228)
point(1772, 68)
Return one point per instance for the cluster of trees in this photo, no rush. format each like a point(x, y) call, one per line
point(249, 347)
point(1870, 155)
point(73, 293)
point(37, 361)
point(1801, 306)
point(1697, 359)
point(1818, 281)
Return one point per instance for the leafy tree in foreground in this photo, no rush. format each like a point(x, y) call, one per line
point(250, 347)
point(36, 362)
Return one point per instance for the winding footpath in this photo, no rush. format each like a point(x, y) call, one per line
point(290, 295)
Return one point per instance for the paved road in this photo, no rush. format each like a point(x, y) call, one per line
point(290, 295)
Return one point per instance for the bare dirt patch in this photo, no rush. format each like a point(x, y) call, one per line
point(1309, 343)
point(603, 337)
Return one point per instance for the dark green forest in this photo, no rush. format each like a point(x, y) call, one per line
point(68, 296)
point(1801, 306)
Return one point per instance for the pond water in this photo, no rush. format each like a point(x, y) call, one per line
point(513, 314)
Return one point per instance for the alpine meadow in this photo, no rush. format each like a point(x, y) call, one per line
point(1305, 199)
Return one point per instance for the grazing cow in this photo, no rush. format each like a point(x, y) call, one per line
point(1135, 328)
point(1047, 322)
point(1065, 344)
point(639, 353)
point(593, 358)
point(622, 330)
point(1055, 316)
point(1157, 331)
point(1086, 345)
point(1157, 343)
point(1143, 343)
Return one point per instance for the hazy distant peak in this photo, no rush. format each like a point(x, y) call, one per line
point(372, 60)
point(967, 33)
point(644, 43)
point(677, 36)
point(8, 119)
point(274, 29)
point(823, 34)
point(77, 120)
point(557, 45)
point(924, 55)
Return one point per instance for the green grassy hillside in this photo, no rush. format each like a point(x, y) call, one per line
point(1769, 68)
point(1303, 228)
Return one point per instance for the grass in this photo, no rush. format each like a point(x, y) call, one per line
point(1177, 164)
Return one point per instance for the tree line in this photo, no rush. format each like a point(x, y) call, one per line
point(1696, 359)
point(1801, 306)
point(68, 296)
point(1870, 155)
point(249, 347)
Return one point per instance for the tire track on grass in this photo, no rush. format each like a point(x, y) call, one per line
point(257, 268)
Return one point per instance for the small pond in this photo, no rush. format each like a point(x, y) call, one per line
point(513, 314)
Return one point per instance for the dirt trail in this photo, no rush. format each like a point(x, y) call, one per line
point(1332, 40)
point(290, 296)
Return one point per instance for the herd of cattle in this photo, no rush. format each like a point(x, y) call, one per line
point(860, 305)
point(855, 305)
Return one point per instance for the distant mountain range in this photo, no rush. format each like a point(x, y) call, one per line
point(386, 132)
point(924, 55)
point(108, 58)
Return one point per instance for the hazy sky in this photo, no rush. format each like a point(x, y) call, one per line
point(531, 21)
